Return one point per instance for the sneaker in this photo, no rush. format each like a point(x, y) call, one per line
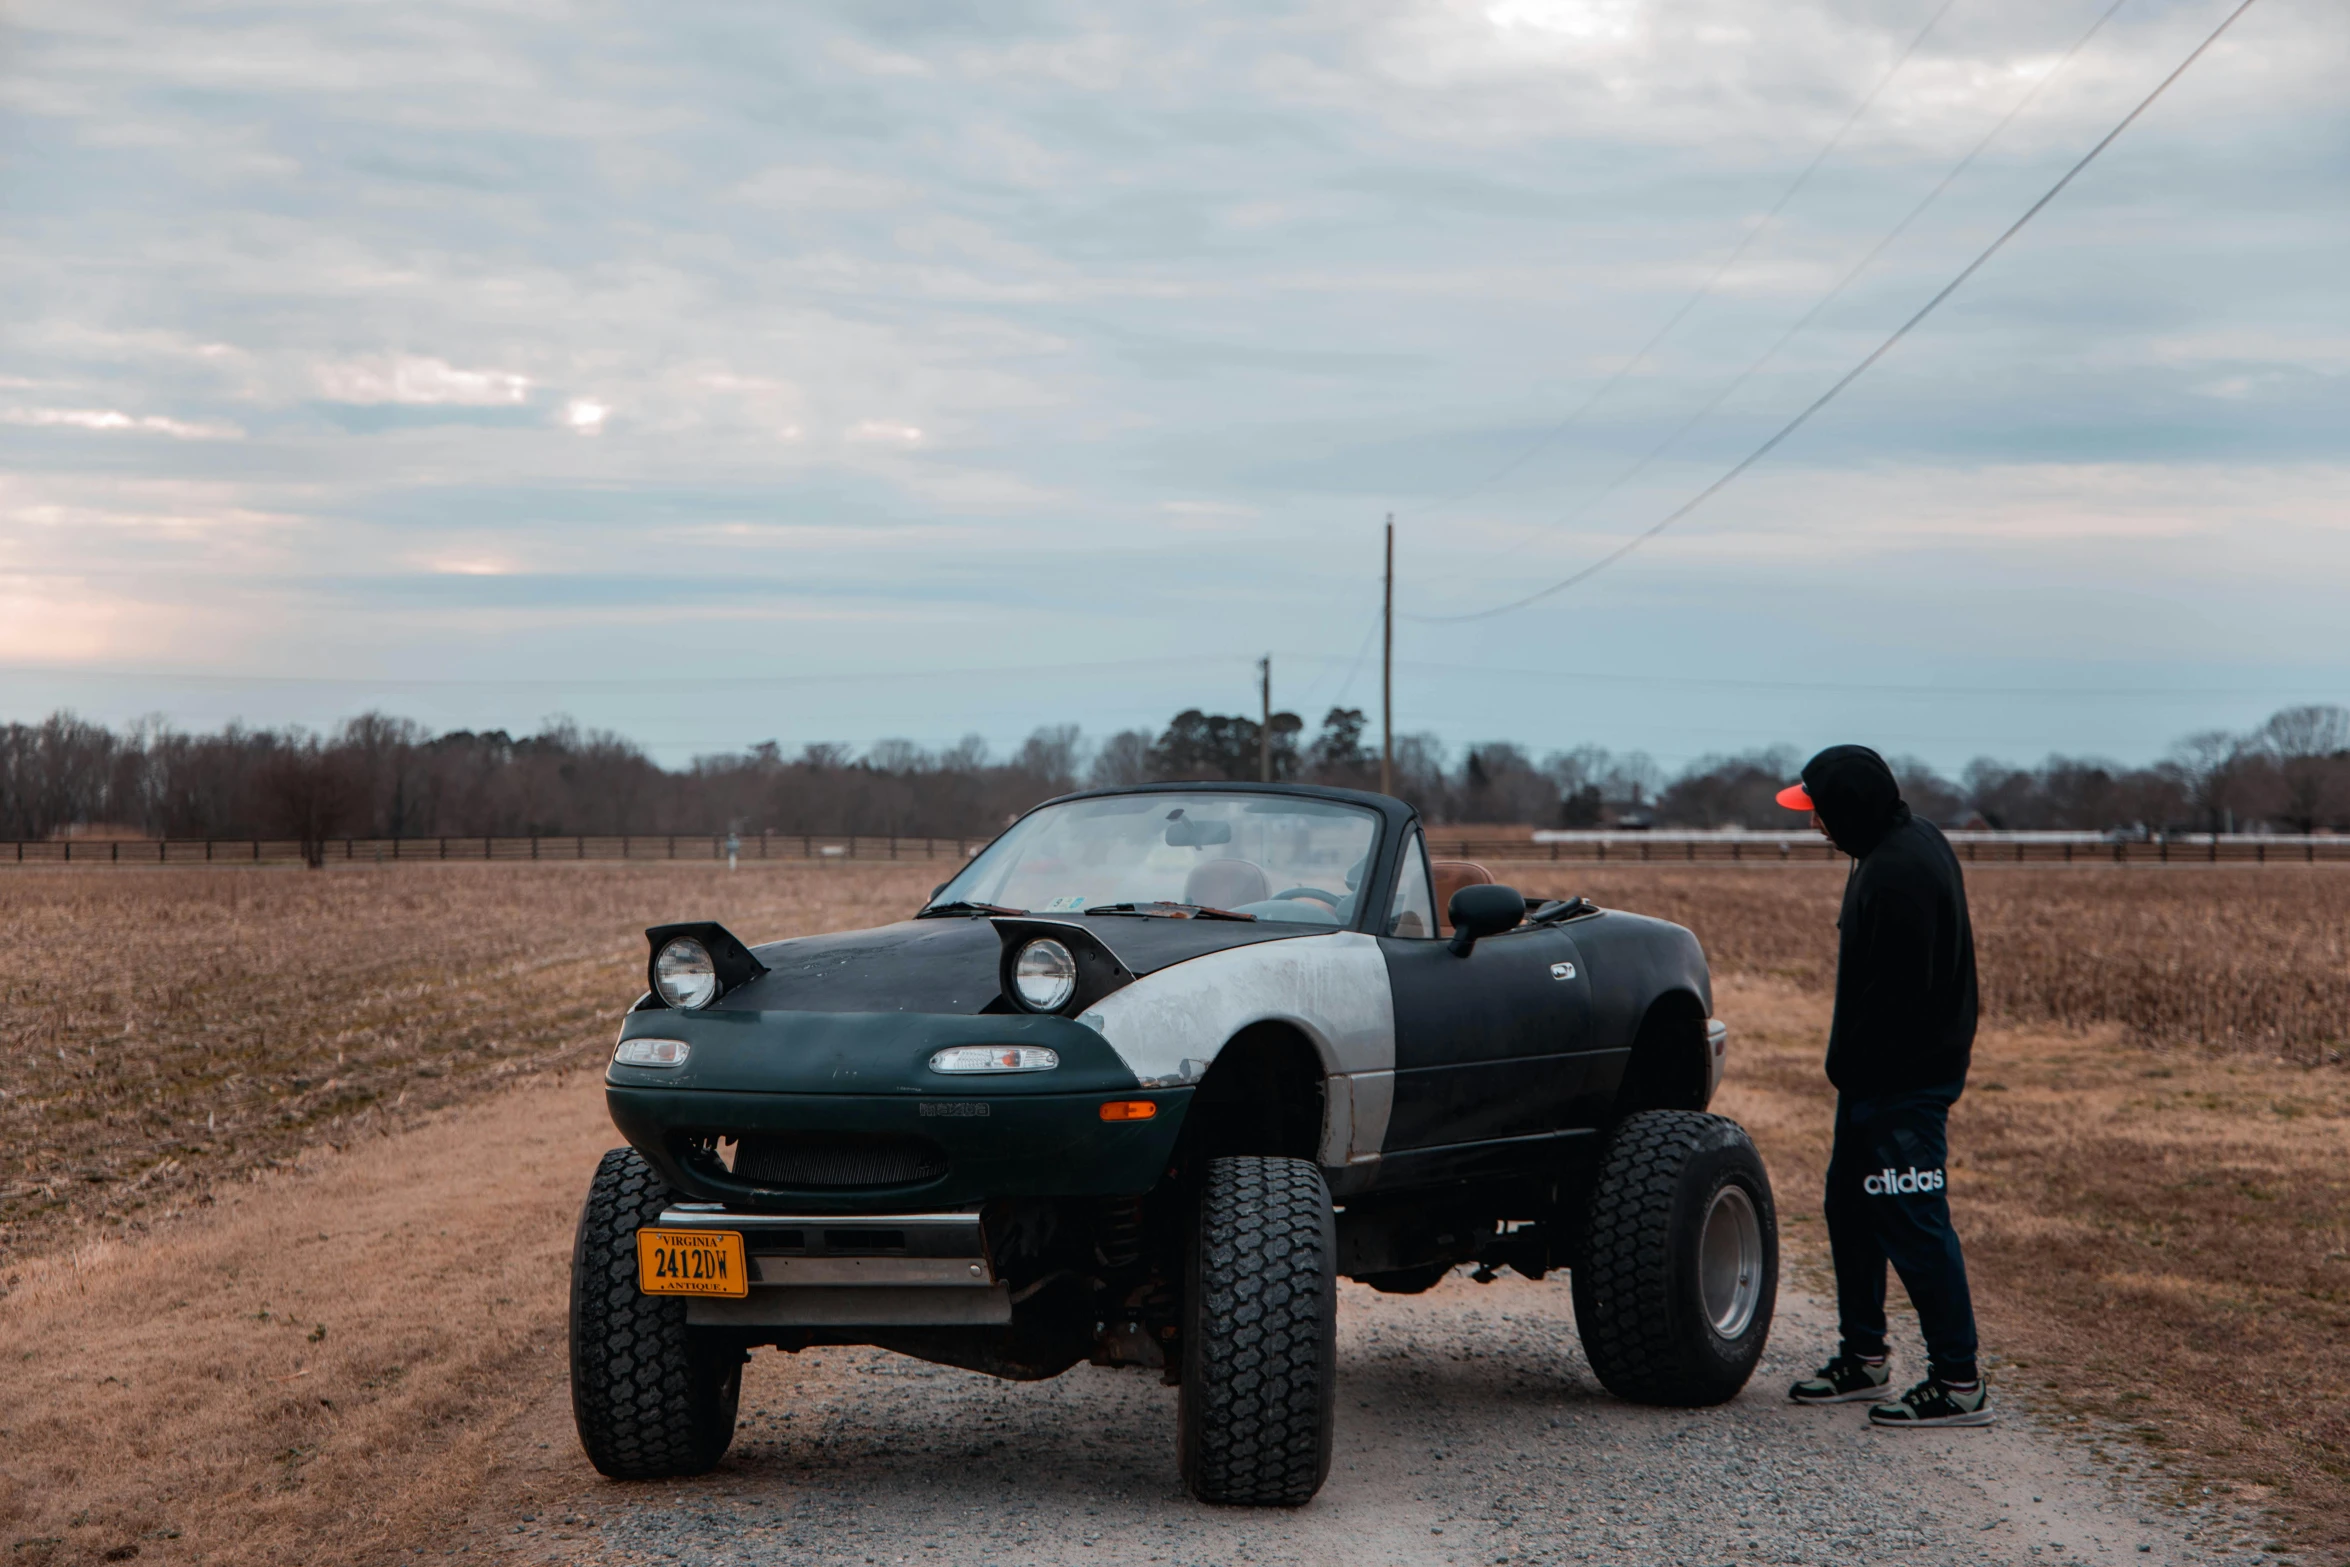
point(1843, 1380)
point(1932, 1404)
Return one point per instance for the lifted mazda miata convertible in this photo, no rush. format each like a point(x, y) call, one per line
point(1137, 1087)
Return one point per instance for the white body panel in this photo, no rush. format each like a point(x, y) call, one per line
point(1168, 1026)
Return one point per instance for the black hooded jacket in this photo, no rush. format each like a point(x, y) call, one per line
point(1905, 954)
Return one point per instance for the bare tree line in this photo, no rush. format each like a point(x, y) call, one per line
point(2291, 774)
point(378, 775)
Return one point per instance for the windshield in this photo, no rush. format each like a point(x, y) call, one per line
point(1271, 856)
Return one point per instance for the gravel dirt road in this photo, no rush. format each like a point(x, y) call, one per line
point(1470, 1432)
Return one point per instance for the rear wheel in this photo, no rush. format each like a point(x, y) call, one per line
point(651, 1396)
point(1260, 1346)
point(1680, 1264)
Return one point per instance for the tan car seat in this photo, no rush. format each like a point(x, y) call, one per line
point(1226, 884)
point(1450, 877)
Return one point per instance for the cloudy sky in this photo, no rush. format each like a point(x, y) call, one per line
point(721, 373)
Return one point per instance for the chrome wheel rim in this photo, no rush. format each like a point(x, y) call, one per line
point(1730, 1261)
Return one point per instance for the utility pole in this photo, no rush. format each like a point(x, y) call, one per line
point(1265, 719)
point(1387, 670)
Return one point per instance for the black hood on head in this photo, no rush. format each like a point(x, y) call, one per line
point(1856, 796)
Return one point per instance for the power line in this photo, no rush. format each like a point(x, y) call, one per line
point(1387, 665)
point(1855, 373)
point(1840, 688)
point(1353, 668)
point(1820, 306)
point(1551, 435)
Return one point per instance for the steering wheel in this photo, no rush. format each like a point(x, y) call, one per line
point(1316, 893)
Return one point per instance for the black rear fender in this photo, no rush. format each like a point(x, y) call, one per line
point(1671, 1063)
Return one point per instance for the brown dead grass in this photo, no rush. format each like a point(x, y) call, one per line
point(2245, 958)
point(164, 1030)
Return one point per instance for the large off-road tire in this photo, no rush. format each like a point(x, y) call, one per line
point(1260, 1345)
point(1679, 1266)
point(652, 1397)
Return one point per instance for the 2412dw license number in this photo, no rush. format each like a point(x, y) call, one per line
point(692, 1262)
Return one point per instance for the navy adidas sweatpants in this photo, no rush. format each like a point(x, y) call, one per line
point(1888, 1202)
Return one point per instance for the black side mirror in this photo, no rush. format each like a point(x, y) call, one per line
point(1487, 909)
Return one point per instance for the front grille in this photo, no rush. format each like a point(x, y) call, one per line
point(837, 1159)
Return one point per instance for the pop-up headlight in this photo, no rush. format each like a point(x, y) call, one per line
point(684, 974)
point(1044, 976)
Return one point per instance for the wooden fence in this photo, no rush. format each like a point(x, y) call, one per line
point(387, 851)
point(1974, 848)
point(1612, 848)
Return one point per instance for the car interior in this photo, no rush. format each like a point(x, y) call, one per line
point(1227, 883)
point(1450, 877)
point(1243, 887)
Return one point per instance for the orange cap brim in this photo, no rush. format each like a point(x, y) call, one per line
point(1794, 798)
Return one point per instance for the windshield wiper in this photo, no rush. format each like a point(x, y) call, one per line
point(1160, 909)
point(964, 906)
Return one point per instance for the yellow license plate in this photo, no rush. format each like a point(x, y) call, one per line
point(692, 1262)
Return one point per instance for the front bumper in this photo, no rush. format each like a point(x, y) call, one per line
point(880, 1270)
point(852, 1078)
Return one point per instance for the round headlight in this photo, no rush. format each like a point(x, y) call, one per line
point(1044, 976)
point(684, 974)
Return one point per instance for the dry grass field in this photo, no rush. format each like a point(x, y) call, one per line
point(2150, 1169)
point(161, 1030)
point(2241, 958)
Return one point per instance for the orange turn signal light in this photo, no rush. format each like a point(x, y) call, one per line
point(1128, 1109)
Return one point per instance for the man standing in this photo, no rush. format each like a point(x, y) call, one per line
point(1898, 1049)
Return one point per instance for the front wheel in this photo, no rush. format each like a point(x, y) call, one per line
point(1259, 1398)
point(652, 1397)
point(1680, 1264)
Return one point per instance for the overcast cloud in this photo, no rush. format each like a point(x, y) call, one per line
point(724, 373)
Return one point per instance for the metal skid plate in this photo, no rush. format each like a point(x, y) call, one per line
point(856, 1306)
point(865, 1270)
